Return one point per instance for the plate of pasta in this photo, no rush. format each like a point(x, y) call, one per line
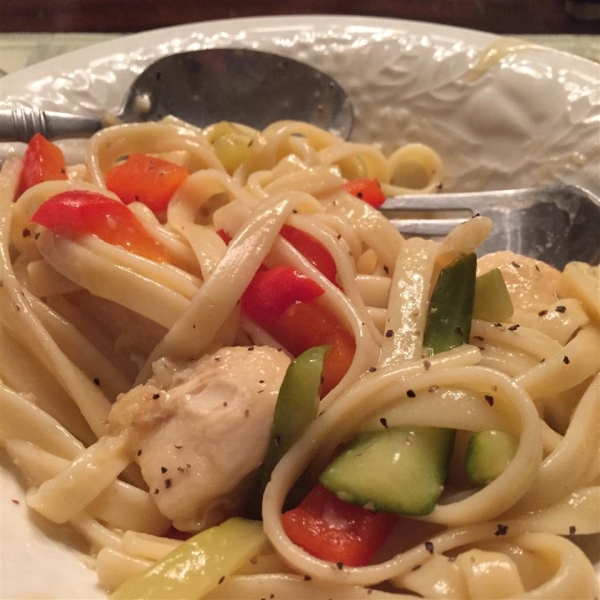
point(225, 374)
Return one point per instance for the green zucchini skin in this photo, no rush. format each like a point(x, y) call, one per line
point(488, 454)
point(399, 470)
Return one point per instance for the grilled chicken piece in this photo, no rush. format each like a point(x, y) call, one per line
point(200, 431)
point(532, 284)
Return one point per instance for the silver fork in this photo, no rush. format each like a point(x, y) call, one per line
point(556, 224)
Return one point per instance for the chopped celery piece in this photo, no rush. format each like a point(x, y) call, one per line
point(451, 307)
point(488, 454)
point(232, 149)
point(231, 145)
point(197, 565)
point(492, 300)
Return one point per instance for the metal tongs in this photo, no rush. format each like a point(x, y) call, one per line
point(556, 224)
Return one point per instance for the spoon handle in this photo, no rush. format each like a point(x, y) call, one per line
point(21, 124)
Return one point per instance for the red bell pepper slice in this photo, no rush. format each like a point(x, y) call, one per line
point(312, 249)
point(272, 292)
point(305, 325)
point(334, 530)
point(43, 161)
point(77, 212)
point(282, 301)
point(146, 179)
point(367, 190)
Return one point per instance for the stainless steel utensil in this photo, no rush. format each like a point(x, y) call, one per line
point(203, 87)
point(556, 224)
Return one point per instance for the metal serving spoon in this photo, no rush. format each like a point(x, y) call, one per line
point(204, 87)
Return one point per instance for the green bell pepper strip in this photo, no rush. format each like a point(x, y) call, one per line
point(199, 564)
point(451, 307)
point(297, 406)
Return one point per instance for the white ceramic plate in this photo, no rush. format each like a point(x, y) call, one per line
point(501, 115)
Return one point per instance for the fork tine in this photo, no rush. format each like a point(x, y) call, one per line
point(426, 227)
point(431, 202)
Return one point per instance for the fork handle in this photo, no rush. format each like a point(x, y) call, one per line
point(21, 124)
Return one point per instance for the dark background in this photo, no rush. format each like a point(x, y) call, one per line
point(499, 16)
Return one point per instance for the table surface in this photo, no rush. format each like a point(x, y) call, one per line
point(498, 16)
point(21, 50)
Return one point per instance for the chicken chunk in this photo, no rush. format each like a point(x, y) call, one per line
point(199, 433)
point(532, 284)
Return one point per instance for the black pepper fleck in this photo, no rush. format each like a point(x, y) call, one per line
point(167, 483)
point(372, 369)
point(163, 470)
point(411, 393)
point(307, 578)
point(139, 452)
point(339, 565)
point(566, 360)
point(386, 270)
point(514, 327)
point(429, 547)
point(497, 324)
point(389, 333)
point(261, 381)
point(383, 421)
point(501, 530)
point(542, 313)
point(489, 399)
point(427, 364)
point(26, 232)
point(156, 490)
point(572, 530)
point(516, 265)
point(222, 579)
point(560, 309)
point(96, 381)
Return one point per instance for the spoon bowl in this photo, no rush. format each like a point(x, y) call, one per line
point(203, 87)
